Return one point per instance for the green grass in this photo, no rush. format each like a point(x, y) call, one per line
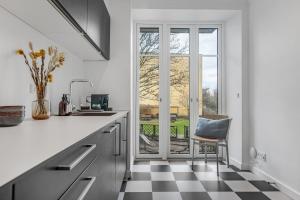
point(179, 123)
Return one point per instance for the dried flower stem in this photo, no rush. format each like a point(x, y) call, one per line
point(41, 75)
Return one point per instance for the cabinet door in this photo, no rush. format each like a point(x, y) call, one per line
point(76, 10)
point(6, 192)
point(98, 180)
point(98, 27)
point(105, 33)
point(121, 156)
point(106, 167)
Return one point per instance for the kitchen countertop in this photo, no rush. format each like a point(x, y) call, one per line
point(32, 142)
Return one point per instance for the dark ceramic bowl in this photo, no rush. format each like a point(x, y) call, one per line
point(11, 115)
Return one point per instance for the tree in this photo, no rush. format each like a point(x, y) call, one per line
point(149, 65)
point(179, 72)
point(210, 101)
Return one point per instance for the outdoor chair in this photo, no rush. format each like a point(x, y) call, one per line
point(212, 130)
point(146, 142)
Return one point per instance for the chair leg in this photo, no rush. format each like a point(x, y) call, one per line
point(222, 155)
point(227, 154)
point(217, 155)
point(205, 152)
point(193, 154)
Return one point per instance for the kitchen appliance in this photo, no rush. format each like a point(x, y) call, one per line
point(73, 106)
point(99, 102)
point(11, 115)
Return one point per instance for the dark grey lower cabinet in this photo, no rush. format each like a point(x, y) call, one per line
point(6, 192)
point(121, 156)
point(106, 167)
point(98, 180)
point(52, 178)
point(92, 169)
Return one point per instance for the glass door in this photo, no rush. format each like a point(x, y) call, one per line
point(209, 78)
point(148, 78)
point(179, 90)
point(178, 79)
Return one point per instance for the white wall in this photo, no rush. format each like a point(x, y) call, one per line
point(113, 76)
point(15, 78)
point(189, 4)
point(233, 86)
point(183, 15)
point(274, 89)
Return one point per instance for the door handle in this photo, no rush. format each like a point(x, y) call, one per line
point(110, 131)
point(125, 129)
point(118, 151)
point(87, 188)
point(73, 164)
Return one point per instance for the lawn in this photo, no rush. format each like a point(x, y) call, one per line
point(179, 123)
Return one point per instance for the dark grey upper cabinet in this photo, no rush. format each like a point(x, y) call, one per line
point(91, 18)
point(76, 11)
point(98, 27)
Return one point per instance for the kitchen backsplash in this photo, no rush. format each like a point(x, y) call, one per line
point(15, 80)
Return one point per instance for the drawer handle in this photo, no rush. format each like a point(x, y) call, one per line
point(77, 160)
point(118, 146)
point(113, 128)
point(87, 188)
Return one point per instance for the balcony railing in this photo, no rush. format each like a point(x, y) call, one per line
point(149, 133)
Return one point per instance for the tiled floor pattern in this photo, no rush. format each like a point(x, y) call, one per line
point(175, 180)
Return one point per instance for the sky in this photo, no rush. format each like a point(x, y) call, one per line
point(208, 45)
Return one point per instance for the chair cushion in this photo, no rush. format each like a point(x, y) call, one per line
point(216, 129)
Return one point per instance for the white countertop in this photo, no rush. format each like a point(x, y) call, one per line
point(27, 145)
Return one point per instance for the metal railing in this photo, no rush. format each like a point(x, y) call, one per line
point(151, 131)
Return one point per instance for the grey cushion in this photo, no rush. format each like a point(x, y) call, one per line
point(215, 129)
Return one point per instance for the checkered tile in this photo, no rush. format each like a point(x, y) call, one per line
point(160, 180)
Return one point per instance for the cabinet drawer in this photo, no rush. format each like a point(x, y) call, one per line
point(51, 179)
point(83, 186)
point(98, 180)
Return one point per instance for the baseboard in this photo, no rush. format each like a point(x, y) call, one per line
point(281, 186)
point(238, 164)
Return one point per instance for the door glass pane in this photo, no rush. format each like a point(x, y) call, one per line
point(208, 41)
point(210, 85)
point(208, 75)
point(179, 91)
point(149, 91)
point(180, 41)
point(208, 69)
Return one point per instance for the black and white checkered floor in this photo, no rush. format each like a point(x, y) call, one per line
point(175, 180)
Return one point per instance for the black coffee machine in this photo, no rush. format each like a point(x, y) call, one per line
point(99, 102)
